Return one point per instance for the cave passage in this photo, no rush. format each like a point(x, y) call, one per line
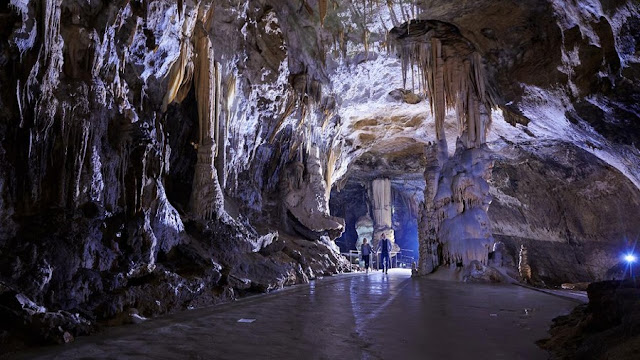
point(354, 203)
point(161, 160)
point(349, 316)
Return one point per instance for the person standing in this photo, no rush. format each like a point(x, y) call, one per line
point(384, 247)
point(365, 251)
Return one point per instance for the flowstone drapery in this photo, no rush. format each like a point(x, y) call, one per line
point(454, 227)
point(381, 201)
point(364, 229)
point(196, 66)
point(305, 199)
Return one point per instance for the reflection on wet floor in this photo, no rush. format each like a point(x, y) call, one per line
point(361, 316)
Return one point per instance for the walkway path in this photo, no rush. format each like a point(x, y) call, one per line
point(352, 316)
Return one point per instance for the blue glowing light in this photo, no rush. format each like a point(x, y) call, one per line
point(630, 258)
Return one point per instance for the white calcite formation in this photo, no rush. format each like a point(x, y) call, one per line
point(306, 198)
point(381, 209)
point(460, 208)
point(364, 229)
point(455, 228)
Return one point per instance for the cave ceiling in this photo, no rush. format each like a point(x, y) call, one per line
point(558, 70)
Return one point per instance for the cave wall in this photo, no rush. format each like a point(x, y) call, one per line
point(575, 214)
point(97, 222)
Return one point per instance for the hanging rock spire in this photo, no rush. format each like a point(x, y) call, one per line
point(451, 72)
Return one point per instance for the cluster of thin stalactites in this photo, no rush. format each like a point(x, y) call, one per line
point(451, 73)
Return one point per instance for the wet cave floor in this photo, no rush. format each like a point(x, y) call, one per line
point(374, 316)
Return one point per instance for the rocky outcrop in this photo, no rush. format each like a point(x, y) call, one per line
point(305, 199)
point(75, 279)
point(606, 328)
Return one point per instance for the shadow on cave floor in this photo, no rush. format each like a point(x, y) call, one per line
point(345, 316)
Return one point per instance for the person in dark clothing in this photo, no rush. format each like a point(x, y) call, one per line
point(384, 247)
point(365, 251)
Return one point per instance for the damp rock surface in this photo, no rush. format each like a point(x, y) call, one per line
point(414, 316)
point(603, 329)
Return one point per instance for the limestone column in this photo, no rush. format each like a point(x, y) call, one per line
point(454, 227)
point(381, 202)
point(428, 222)
point(206, 197)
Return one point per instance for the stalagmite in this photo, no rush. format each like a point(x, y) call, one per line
point(523, 264)
point(454, 226)
point(427, 231)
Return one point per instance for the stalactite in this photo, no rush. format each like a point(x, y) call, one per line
point(392, 13)
point(332, 158)
point(453, 73)
point(322, 10)
point(205, 81)
point(180, 76)
point(229, 91)
point(51, 26)
point(215, 100)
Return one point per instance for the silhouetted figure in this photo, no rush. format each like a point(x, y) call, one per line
point(384, 247)
point(365, 251)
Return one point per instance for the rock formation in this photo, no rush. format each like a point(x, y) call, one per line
point(381, 209)
point(572, 234)
point(160, 155)
point(305, 198)
point(456, 230)
point(364, 229)
point(603, 329)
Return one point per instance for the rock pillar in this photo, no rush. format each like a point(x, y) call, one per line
point(381, 201)
point(454, 227)
point(207, 200)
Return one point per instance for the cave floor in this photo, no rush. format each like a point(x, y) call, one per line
point(372, 316)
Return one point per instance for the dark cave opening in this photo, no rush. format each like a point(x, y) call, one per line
point(181, 125)
point(353, 203)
